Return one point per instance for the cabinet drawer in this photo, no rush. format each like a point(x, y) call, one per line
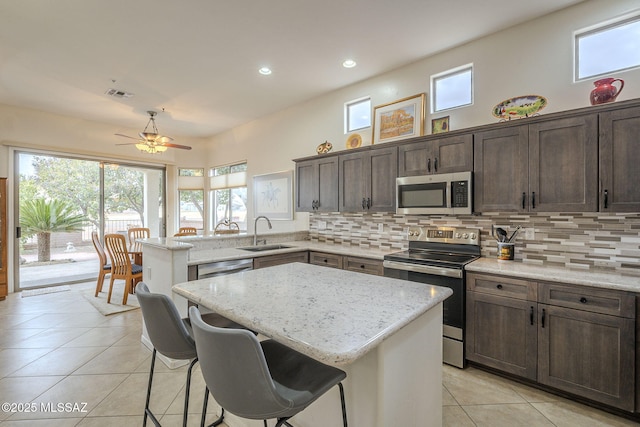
point(328, 260)
point(363, 265)
point(605, 301)
point(502, 286)
point(271, 260)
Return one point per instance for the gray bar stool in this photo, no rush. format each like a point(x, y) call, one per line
point(172, 336)
point(259, 380)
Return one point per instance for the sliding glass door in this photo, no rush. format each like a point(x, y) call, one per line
point(62, 200)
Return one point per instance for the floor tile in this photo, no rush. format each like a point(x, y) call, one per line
point(13, 359)
point(115, 360)
point(564, 413)
point(123, 421)
point(24, 389)
point(474, 387)
point(509, 415)
point(454, 416)
point(61, 361)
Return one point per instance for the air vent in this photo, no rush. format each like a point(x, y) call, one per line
point(116, 93)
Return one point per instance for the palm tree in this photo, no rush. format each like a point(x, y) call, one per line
point(43, 217)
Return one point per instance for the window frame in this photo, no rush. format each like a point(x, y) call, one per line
point(446, 74)
point(595, 29)
point(347, 113)
point(239, 167)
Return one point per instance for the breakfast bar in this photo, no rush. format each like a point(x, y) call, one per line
point(385, 333)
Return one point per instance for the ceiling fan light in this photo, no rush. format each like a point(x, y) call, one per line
point(160, 148)
point(143, 147)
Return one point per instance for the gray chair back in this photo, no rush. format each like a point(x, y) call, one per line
point(235, 370)
point(167, 331)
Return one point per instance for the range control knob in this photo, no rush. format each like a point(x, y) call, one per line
point(458, 235)
point(473, 236)
point(465, 236)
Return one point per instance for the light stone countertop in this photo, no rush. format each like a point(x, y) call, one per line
point(594, 278)
point(334, 316)
point(223, 254)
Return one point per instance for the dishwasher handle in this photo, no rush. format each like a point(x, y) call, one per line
point(224, 267)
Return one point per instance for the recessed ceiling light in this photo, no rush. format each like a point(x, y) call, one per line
point(265, 71)
point(349, 63)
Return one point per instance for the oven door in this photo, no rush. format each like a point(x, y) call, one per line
point(453, 308)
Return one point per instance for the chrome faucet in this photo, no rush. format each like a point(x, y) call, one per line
point(255, 230)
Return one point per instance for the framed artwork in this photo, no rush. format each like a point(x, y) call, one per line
point(273, 195)
point(440, 125)
point(399, 119)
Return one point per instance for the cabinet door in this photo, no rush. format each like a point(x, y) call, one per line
point(563, 165)
point(502, 333)
point(278, 259)
point(380, 176)
point(325, 259)
point(363, 265)
point(501, 170)
point(452, 154)
point(414, 159)
point(327, 185)
point(306, 185)
point(619, 160)
point(352, 191)
point(588, 354)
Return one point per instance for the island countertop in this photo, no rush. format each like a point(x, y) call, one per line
point(334, 316)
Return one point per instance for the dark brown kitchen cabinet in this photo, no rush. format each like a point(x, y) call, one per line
point(501, 327)
point(325, 259)
point(317, 185)
point(4, 268)
point(620, 160)
point(278, 259)
point(443, 155)
point(358, 264)
point(367, 180)
point(547, 166)
point(577, 339)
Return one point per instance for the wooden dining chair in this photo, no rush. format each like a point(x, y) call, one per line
point(138, 233)
point(121, 265)
point(184, 231)
point(104, 268)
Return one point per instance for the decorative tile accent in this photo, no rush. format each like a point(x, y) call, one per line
point(576, 240)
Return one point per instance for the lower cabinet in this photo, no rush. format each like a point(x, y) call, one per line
point(286, 258)
point(576, 339)
point(362, 265)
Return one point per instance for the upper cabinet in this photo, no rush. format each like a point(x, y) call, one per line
point(367, 180)
point(317, 185)
point(547, 166)
point(620, 160)
point(443, 155)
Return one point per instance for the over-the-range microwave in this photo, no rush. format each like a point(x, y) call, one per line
point(444, 194)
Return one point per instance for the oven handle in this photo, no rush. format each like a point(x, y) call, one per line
point(427, 269)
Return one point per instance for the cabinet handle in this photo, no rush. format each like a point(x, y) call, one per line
point(533, 200)
point(531, 315)
point(435, 164)
point(543, 315)
point(499, 286)
point(606, 198)
point(524, 198)
point(429, 165)
point(326, 260)
point(368, 202)
point(362, 266)
point(363, 202)
point(583, 300)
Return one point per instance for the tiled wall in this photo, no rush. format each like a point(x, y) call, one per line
point(576, 240)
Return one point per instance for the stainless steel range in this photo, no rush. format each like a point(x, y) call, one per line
point(437, 256)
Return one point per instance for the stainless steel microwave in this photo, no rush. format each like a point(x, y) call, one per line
point(444, 194)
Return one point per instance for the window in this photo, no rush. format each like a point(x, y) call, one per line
point(191, 197)
point(357, 114)
point(229, 194)
point(609, 48)
point(452, 89)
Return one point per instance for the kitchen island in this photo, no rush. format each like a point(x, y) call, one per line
point(385, 333)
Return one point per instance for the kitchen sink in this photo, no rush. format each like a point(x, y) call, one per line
point(264, 248)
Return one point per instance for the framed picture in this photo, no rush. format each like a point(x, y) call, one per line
point(440, 125)
point(399, 120)
point(273, 195)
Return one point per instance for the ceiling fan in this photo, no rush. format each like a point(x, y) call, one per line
point(151, 141)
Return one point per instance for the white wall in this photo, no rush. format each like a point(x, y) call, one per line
point(533, 58)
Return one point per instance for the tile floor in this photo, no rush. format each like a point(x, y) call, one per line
point(56, 348)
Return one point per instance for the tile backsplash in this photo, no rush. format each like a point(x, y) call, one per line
point(575, 240)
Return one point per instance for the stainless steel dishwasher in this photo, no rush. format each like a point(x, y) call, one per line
point(219, 268)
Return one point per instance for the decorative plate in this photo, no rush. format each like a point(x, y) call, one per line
point(519, 106)
point(354, 141)
point(325, 147)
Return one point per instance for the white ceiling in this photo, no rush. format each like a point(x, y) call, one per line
point(198, 59)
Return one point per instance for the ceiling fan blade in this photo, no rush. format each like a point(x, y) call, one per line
point(127, 136)
point(162, 139)
point(129, 143)
point(183, 147)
